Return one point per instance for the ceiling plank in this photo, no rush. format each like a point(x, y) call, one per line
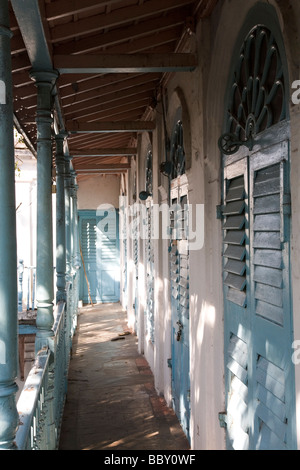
point(109, 126)
point(117, 17)
point(103, 152)
point(62, 8)
point(105, 85)
point(120, 63)
point(113, 37)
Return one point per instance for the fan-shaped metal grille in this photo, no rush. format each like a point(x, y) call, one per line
point(257, 98)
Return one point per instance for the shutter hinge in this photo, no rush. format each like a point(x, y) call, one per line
point(223, 419)
point(169, 361)
point(219, 209)
point(286, 204)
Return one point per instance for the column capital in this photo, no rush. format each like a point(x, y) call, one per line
point(44, 76)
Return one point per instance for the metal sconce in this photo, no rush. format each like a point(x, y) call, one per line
point(166, 168)
point(230, 144)
point(144, 195)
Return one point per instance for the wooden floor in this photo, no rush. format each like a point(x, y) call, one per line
point(111, 401)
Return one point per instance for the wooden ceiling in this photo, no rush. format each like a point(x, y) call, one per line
point(112, 56)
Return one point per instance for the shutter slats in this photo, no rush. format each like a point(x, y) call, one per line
point(237, 282)
point(236, 207)
point(235, 267)
point(269, 294)
point(237, 297)
point(266, 240)
point(270, 276)
point(237, 411)
point(267, 222)
point(269, 312)
point(234, 242)
point(236, 237)
point(271, 407)
point(267, 204)
point(234, 222)
point(267, 260)
point(179, 262)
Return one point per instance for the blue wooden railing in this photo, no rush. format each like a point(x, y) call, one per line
point(41, 402)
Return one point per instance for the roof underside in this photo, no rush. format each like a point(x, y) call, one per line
point(113, 57)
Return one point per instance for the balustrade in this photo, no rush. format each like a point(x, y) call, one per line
point(41, 403)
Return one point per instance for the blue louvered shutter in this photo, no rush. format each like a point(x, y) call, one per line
point(150, 275)
point(88, 231)
point(234, 241)
point(272, 305)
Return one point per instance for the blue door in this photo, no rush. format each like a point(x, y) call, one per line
point(99, 238)
point(179, 282)
point(259, 373)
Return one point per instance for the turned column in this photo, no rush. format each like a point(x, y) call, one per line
point(8, 246)
point(44, 270)
point(60, 219)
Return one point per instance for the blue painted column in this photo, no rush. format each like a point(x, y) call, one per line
point(8, 246)
point(60, 219)
point(68, 212)
point(75, 247)
point(44, 270)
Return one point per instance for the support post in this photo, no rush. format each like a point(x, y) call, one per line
point(45, 290)
point(8, 245)
point(60, 220)
point(76, 252)
point(68, 160)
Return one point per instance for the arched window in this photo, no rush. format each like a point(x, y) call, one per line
point(177, 151)
point(149, 173)
point(257, 95)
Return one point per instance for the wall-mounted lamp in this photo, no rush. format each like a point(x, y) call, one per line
point(166, 168)
point(144, 195)
point(230, 144)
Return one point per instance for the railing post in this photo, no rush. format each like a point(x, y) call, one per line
point(44, 271)
point(8, 246)
point(60, 219)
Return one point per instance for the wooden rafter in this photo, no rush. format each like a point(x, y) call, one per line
point(120, 63)
point(110, 126)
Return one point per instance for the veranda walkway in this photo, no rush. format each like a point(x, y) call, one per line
point(111, 402)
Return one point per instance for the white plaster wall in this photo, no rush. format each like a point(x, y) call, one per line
point(98, 189)
point(26, 210)
point(203, 92)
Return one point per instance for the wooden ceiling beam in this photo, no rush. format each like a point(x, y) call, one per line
point(117, 17)
point(74, 127)
point(103, 152)
point(104, 166)
point(120, 63)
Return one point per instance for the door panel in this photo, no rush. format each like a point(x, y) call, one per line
point(179, 275)
point(258, 331)
point(99, 234)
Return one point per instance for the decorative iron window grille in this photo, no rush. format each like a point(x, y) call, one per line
point(177, 151)
point(257, 98)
